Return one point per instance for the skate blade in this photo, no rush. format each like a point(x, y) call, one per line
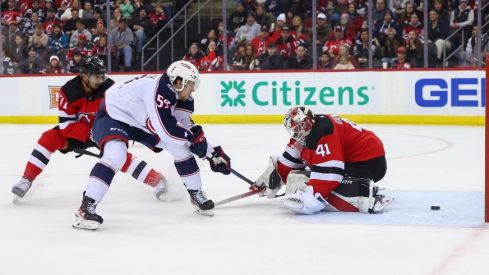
point(208, 213)
point(162, 195)
point(16, 199)
point(81, 223)
point(384, 205)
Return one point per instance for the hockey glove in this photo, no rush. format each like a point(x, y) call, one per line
point(220, 162)
point(270, 179)
point(199, 143)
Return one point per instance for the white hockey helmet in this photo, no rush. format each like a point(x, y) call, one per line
point(298, 122)
point(185, 70)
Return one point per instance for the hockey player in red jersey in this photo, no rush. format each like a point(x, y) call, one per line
point(79, 101)
point(342, 160)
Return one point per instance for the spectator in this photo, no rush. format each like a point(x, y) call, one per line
point(122, 39)
point(101, 50)
point(37, 9)
point(127, 9)
point(212, 61)
point(260, 42)
point(83, 45)
point(8, 67)
point(29, 26)
point(442, 12)
point(344, 50)
point(278, 28)
point(157, 17)
point(238, 56)
point(362, 6)
point(80, 29)
point(54, 67)
point(332, 45)
point(87, 11)
point(262, 17)
point(398, 7)
point(386, 24)
point(39, 40)
point(379, 12)
point(13, 14)
point(62, 5)
point(325, 63)
point(57, 39)
point(300, 60)
point(405, 17)
point(363, 28)
point(415, 26)
point(297, 8)
point(400, 62)
point(70, 25)
point(138, 5)
point(230, 35)
point(462, 17)
point(275, 7)
point(99, 32)
point(73, 66)
point(91, 24)
point(344, 24)
point(246, 33)
point(360, 52)
point(344, 64)
point(438, 33)
point(332, 14)
point(99, 4)
point(11, 33)
point(75, 5)
point(356, 19)
point(389, 46)
point(48, 4)
point(49, 22)
point(323, 32)
point(237, 18)
point(19, 51)
point(194, 55)
point(34, 63)
point(248, 60)
point(414, 48)
point(297, 31)
point(286, 45)
point(468, 57)
point(114, 22)
point(250, 5)
point(142, 27)
point(211, 37)
point(271, 59)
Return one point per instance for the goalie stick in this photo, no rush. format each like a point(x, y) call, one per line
point(82, 152)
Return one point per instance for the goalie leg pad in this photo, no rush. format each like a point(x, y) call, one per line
point(304, 202)
point(296, 181)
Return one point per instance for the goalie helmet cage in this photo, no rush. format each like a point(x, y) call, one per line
point(486, 218)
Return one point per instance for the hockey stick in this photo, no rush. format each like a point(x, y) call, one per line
point(82, 152)
point(237, 197)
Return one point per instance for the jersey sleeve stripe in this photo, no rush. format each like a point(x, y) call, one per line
point(65, 119)
point(65, 125)
point(292, 152)
point(328, 177)
point(332, 163)
point(290, 164)
point(327, 170)
point(290, 158)
point(64, 114)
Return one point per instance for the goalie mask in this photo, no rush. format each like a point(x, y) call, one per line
point(298, 122)
point(186, 71)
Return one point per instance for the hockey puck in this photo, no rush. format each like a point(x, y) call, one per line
point(434, 207)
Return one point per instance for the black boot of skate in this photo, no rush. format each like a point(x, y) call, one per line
point(86, 218)
point(202, 205)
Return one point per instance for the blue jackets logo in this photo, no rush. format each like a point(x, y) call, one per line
point(455, 92)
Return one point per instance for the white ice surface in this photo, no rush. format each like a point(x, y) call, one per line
point(427, 165)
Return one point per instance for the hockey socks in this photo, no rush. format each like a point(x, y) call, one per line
point(141, 171)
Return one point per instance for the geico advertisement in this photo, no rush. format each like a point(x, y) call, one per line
point(275, 93)
point(446, 93)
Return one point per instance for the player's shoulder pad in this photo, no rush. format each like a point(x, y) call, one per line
point(166, 89)
point(323, 126)
point(73, 89)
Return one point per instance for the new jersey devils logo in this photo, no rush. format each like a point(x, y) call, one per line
point(85, 118)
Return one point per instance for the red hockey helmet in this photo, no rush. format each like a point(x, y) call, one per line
point(298, 122)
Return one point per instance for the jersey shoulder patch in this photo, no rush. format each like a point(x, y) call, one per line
point(323, 126)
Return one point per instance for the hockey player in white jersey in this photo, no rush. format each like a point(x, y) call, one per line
point(154, 110)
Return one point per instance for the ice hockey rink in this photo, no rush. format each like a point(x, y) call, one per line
point(427, 165)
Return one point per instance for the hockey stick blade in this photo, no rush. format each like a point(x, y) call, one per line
point(237, 197)
point(82, 152)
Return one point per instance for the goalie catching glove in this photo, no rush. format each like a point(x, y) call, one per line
point(199, 142)
point(219, 161)
point(270, 179)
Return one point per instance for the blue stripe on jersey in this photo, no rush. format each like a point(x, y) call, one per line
point(187, 167)
point(165, 100)
point(103, 172)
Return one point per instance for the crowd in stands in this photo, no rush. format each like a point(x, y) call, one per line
point(277, 35)
point(51, 36)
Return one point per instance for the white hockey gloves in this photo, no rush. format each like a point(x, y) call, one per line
point(270, 179)
point(304, 201)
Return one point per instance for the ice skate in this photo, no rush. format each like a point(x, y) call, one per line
point(161, 190)
point(378, 203)
point(21, 188)
point(86, 218)
point(202, 205)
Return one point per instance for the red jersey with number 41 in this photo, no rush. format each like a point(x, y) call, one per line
point(332, 142)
